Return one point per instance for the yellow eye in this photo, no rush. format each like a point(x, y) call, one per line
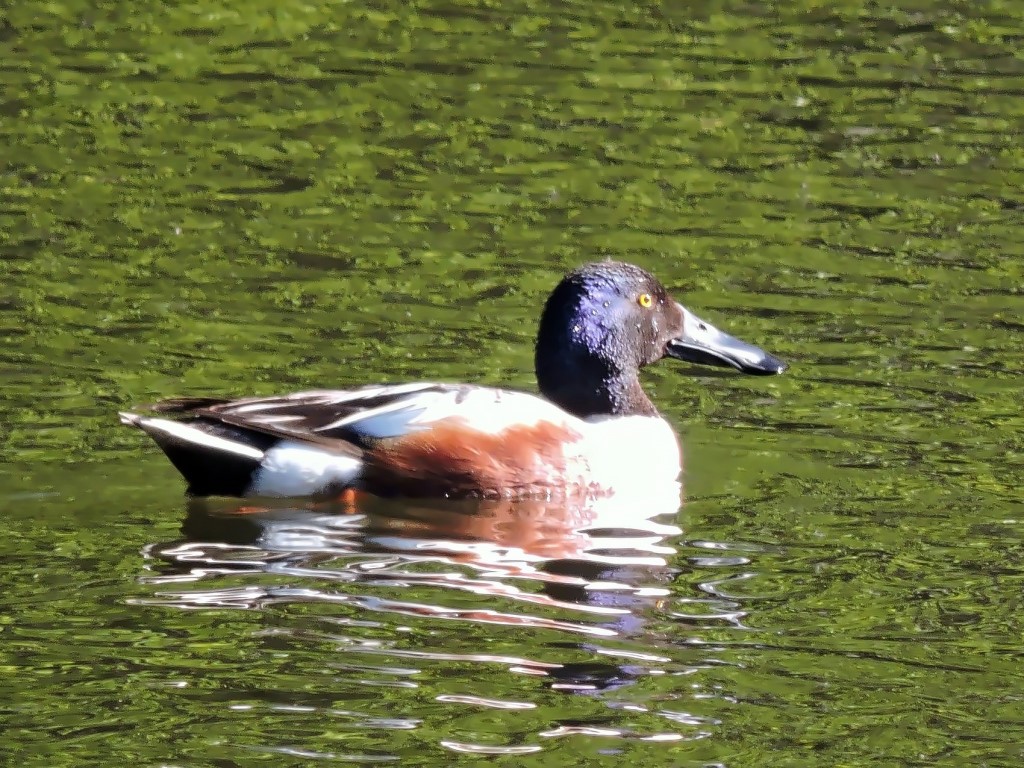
point(645, 300)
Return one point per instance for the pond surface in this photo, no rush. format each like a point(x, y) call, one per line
point(199, 199)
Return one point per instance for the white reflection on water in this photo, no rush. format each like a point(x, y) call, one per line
point(584, 584)
point(594, 556)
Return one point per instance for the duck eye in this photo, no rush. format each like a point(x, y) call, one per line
point(645, 300)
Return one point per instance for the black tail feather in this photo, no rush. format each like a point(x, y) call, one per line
point(210, 470)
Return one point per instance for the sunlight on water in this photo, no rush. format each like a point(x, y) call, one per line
point(232, 202)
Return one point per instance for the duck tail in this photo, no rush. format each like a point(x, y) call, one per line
point(215, 459)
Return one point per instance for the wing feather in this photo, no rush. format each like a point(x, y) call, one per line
point(369, 414)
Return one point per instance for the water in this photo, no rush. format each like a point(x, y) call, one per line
point(210, 201)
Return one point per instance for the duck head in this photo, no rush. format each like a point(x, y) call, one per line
point(607, 320)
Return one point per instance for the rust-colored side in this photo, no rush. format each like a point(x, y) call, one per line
point(450, 459)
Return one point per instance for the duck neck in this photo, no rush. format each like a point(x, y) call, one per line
point(589, 388)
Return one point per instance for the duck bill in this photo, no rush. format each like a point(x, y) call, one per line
point(704, 344)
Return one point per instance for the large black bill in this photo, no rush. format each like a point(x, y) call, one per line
point(704, 344)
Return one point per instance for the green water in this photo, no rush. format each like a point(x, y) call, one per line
point(218, 199)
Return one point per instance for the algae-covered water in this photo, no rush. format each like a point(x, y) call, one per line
point(248, 199)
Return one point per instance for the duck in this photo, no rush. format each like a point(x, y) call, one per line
point(590, 431)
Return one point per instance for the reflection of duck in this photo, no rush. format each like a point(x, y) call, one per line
point(593, 432)
point(603, 531)
point(592, 569)
point(597, 560)
point(566, 546)
point(531, 530)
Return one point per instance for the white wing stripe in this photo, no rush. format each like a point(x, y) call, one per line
point(198, 437)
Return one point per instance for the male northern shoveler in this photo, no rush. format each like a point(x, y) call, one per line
point(592, 429)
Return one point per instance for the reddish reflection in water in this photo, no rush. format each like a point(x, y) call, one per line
point(596, 556)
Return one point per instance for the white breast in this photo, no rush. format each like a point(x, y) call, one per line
point(629, 453)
